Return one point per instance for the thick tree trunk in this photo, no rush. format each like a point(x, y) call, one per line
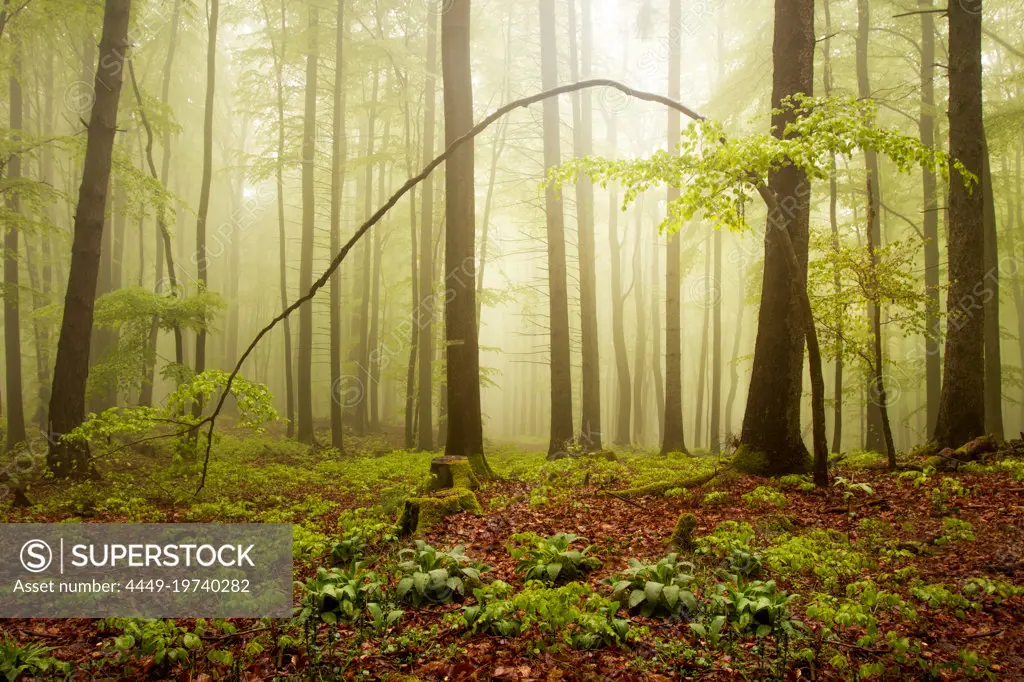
point(962, 407)
point(71, 371)
point(561, 376)
point(12, 323)
point(427, 310)
point(672, 438)
point(339, 152)
point(933, 359)
point(590, 425)
point(465, 423)
point(304, 431)
point(771, 423)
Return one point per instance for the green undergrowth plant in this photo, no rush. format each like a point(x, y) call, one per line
point(338, 595)
point(572, 615)
point(23, 661)
point(437, 577)
point(551, 560)
point(765, 496)
point(662, 589)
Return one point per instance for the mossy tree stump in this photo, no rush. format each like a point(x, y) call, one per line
point(682, 536)
point(420, 514)
point(452, 472)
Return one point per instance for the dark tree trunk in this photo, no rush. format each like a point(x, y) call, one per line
point(12, 322)
point(583, 133)
point(771, 423)
point(71, 371)
point(833, 219)
point(875, 440)
point(465, 423)
point(427, 310)
point(672, 438)
point(734, 372)
point(45, 126)
point(933, 359)
point(339, 152)
point(202, 264)
point(561, 377)
point(878, 391)
point(993, 345)
point(962, 406)
point(304, 431)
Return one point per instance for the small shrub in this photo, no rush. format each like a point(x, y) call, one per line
point(660, 589)
point(18, 660)
point(437, 577)
point(550, 560)
point(765, 496)
point(714, 499)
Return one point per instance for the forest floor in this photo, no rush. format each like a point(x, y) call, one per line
point(918, 575)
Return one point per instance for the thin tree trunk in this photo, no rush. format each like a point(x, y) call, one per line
point(426, 311)
point(833, 219)
point(622, 378)
point(71, 371)
point(933, 359)
point(993, 344)
point(561, 376)
point(656, 356)
point(339, 153)
point(278, 57)
point(734, 372)
point(875, 438)
point(590, 425)
point(12, 292)
point(877, 378)
point(465, 423)
point(202, 264)
point(702, 367)
point(716, 349)
point(962, 406)
point(673, 439)
point(363, 397)
point(375, 308)
point(304, 431)
point(640, 349)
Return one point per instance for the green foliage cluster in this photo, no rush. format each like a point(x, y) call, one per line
point(662, 589)
point(550, 560)
point(572, 614)
point(437, 577)
point(18, 661)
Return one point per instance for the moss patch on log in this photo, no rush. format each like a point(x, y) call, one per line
point(420, 514)
point(659, 489)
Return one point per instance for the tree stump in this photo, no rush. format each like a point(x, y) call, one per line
point(452, 472)
point(420, 514)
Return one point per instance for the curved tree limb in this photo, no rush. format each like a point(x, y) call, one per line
point(397, 196)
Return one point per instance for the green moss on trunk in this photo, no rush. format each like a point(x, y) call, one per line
point(420, 514)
